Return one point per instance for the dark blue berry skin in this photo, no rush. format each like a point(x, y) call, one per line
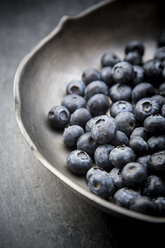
point(101, 184)
point(160, 203)
point(121, 155)
point(153, 71)
point(160, 99)
point(75, 87)
point(73, 102)
point(98, 104)
point(106, 75)
point(71, 135)
point(138, 144)
point(134, 174)
point(90, 74)
point(101, 156)
point(154, 186)
point(146, 107)
point(144, 160)
point(104, 129)
point(80, 117)
point(109, 59)
point(156, 143)
point(96, 87)
point(78, 162)
point(86, 143)
point(160, 54)
point(161, 89)
point(120, 92)
point(135, 46)
point(124, 196)
point(133, 58)
point(117, 178)
point(163, 110)
point(155, 124)
point(120, 139)
point(126, 122)
point(144, 205)
point(90, 123)
point(120, 106)
point(58, 117)
point(123, 73)
point(157, 163)
point(93, 170)
point(139, 74)
point(140, 131)
point(142, 90)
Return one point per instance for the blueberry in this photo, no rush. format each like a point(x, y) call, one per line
point(154, 186)
point(161, 41)
point(120, 106)
point(73, 102)
point(104, 129)
point(86, 143)
point(139, 131)
point(160, 54)
point(90, 74)
point(75, 87)
point(101, 184)
point(160, 203)
point(134, 174)
point(96, 87)
point(139, 74)
point(144, 160)
point(106, 75)
point(155, 124)
point(153, 71)
point(134, 58)
point(80, 117)
point(157, 162)
point(138, 144)
point(146, 107)
point(90, 123)
point(161, 89)
point(156, 143)
point(126, 122)
point(109, 59)
point(163, 110)
point(144, 205)
point(58, 117)
point(135, 46)
point(93, 170)
point(117, 178)
point(98, 104)
point(101, 156)
point(124, 196)
point(142, 90)
point(123, 73)
point(120, 92)
point(121, 155)
point(71, 135)
point(120, 139)
point(160, 99)
point(78, 162)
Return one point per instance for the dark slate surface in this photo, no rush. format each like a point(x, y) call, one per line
point(36, 209)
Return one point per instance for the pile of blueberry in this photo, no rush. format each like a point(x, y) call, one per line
point(114, 120)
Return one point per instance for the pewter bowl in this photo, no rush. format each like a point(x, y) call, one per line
point(77, 43)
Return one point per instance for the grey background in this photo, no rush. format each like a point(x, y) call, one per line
point(36, 209)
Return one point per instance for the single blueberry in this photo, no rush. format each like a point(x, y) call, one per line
point(163, 110)
point(101, 156)
point(160, 203)
point(120, 106)
point(123, 196)
point(90, 74)
point(106, 75)
point(139, 74)
point(123, 73)
point(160, 99)
point(109, 59)
point(93, 170)
point(154, 186)
point(153, 71)
point(120, 139)
point(138, 144)
point(157, 162)
point(144, 160)
point(135, 46)
point(126, 122)
point(161, 89)
point(78, 162)
point(71, 135)
point(121, 155)
point(96, 87)
point(155, 124)
point(98, 104)
point(144, 205)
point(104, 129)
point(117, 178)
point(120, 92)
point(140, 131)
point(142, 90)
point(75, 87)
point(90, 123)
point(80, 117)
point(58, 117)
point(134, 58)
point(156, 143)
point(73, 102)
point(87, 143)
